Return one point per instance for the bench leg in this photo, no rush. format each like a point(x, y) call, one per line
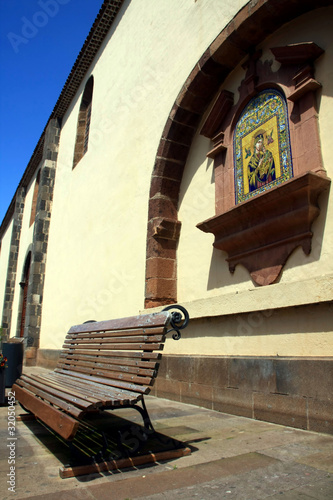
point(148, 426)
point(124, 443)
point(132, 439)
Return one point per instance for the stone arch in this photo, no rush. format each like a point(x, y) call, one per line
point(251, 25)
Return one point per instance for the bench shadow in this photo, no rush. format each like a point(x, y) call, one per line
point(108, 444)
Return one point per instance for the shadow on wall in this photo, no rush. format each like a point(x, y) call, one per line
point(316, 318)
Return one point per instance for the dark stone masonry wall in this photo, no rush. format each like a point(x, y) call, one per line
point(12, 261)
point(40, 242)
point(296, 392)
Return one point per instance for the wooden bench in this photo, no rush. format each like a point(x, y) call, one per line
point(103, 365)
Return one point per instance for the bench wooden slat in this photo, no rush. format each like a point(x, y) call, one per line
point(146, 339)
point(109, 374)
point(53, 391)
point(71, 395)
point(150, 320)
point(118, 333)
point(97, 396)
point(146, 356)
point(105, 397)
point(113, 383)
point(96, 389)
point(144, 368)
point(122, 346)
point(69, 408)
point(119, 370)
point(65, 425)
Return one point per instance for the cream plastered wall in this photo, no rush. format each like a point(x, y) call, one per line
point(304, 331)
point(97, 243)
point(202, 270)
point(4, 256)
point(205, 285)
point(315, 27)
point(25, 244)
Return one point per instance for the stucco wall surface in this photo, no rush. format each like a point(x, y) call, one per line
point(97, 244)
point(96, 255)
point(205, 285)
point(4, 255)
point(202, 270)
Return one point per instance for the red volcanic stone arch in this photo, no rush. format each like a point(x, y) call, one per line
point(252, 24)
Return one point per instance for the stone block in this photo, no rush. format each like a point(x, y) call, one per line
point(48, 358)
point(30, 356)
point(161, 268)
point(170, 169)
point(163, 368)
point(165, 187)
point(201, 84)
point(280, 409)
point(211, 370)
point(305, 377)
point(185, 116)
point(320, 416)
point(252, 374)
point(160, 247)
point(233, 401)
point(179, 132)
point(169, 389)
point(197, 394)
point(172, 150)
point(181, 368)
point(162, 207)
point(162, 288)
point(191, 102)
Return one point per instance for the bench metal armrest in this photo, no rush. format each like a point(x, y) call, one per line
point(179, 320)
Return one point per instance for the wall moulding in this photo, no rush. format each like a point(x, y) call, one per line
point(262, 232)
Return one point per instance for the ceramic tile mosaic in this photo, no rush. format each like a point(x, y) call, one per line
point(262, 154)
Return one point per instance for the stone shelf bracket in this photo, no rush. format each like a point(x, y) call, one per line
point(262, 232)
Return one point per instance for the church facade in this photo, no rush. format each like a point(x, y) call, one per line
point(188, 160)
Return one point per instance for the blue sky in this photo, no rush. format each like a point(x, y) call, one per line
point(39, 43)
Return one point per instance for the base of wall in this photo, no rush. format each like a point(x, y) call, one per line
point(296, 392)
point(30, 356)
point(48, 358)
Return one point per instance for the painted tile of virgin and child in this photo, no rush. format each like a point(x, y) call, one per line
point(262, 153)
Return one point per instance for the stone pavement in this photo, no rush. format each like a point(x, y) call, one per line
point(232, 458)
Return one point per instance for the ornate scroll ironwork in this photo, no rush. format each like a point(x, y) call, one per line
point(179, 320)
